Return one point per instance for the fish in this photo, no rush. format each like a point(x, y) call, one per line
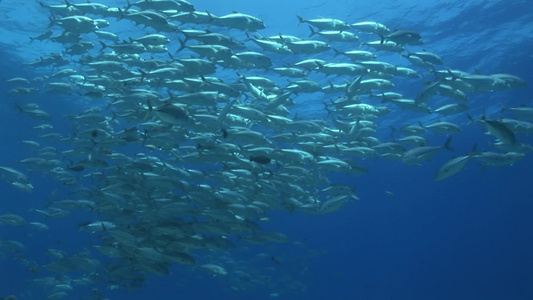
point(179, 5)
point(523, 112)
point(357, 54)
point(76, 24)
point(271, 46)
point(451, 109)
point(97, 226)
point(43, 36)
point(512, 81)
point(325, 24)
point(210, 51)
point(13, 175)
point(497, 129)
point(333, 204)
point(338, 36)
point(452, 167)
point(258, 60)
point(443, 127)
point(213, 269)
point(12, 220)
point(260, 159)
point(372, 27)
point(427, 92)
point(190, 128)
point(151, 40)
point(89, 8)
point(495, 159)
point(125, 48)
point(403, 37)
point(239, 21)
point(426, 56)
point(170, 113)
point(308, 46)
point(196, 17)
point(385, 45)
point(424, 153)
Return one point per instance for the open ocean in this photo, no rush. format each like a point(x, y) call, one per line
point(407, 236)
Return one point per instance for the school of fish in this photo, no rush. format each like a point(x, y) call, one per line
point(183, 147)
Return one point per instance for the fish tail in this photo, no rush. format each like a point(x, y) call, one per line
point(211, 17)
point(313, 32)
point(114, 116)
point(447, 144)
point(326, 107)
point(474, 150)
point(103, 46)
point(300, 19)
point(392, 131)
point(199, 147)
point(171, 56)
point(143, 74)
point(470, 119)
point(19, 108)
point(454, 77)
point(337, 52)
point(182, 44)
point(82, 225)
point(187, 37)
point(337, 150)
point(150, 108)
point(53, 20)
point(248, 38)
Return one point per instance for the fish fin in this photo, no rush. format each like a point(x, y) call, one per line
point(143, 74)
point(313, 32)
point(182, 45)
point(337, 52)
point(171, 56)
point(103, 46)
point(150, 108)
point(300, 19)
point(447, 144)
point(474, 150)
point(211, 17)
point(329, 111)
point(470, 119)
point(19, 108)
point(451, 73)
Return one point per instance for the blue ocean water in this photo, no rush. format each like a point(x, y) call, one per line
point(465, 237)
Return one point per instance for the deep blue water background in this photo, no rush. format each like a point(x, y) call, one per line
point(467, 237)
